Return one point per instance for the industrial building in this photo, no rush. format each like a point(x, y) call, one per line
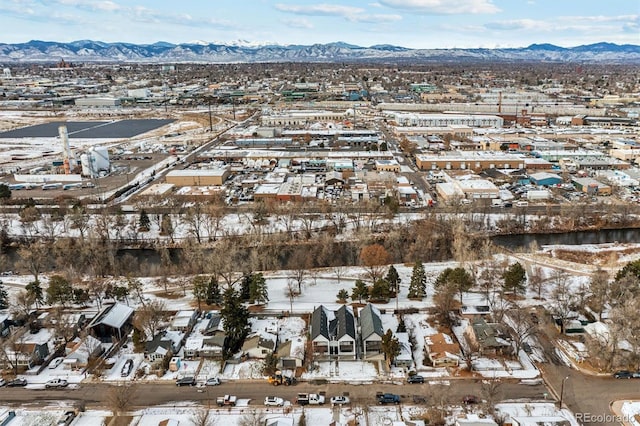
point(476, 161)
point(301, 118)
point(591, 186)
point(545, 179)
point(197, 177)
point(444, 120)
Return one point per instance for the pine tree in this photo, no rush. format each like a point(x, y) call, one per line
point(4, 297)
point(418, 284)
point(144, 224)
point(34, 290)
point(258, 292)
point(515, 278)
point(380, 291)
point(236, 322)
point(213, 292)
point(393, 279)
point(360, 291)
point(342, 295)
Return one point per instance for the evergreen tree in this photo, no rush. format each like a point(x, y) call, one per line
point(380, 291)
point(515, 278)
point(213, 292)
point(342, 295)
point(4, 297)
point(418, 284)
point(360, 291)
point(258, 292)
point(200, 289)
point(59, 290)
point(245, 288)
point(144, 224)
point(80, 296)
point(390, 347)
point(34, 291)
point(393, 279)
point(236, 322)
point(458, 277)
point(5, 192)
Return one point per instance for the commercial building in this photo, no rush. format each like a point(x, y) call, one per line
point(444, 120)
point(190, 177)
point(476, 161)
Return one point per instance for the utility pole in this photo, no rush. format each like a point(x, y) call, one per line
point(210, 120)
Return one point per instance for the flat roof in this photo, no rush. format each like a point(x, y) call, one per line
point(89, 129)
point(198, 172)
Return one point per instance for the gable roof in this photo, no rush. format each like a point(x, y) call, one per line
point(343, 324)
point(370, 322)
point(332, 325)
point(114, 316)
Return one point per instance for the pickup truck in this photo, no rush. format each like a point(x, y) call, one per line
point(56, 383)
point(310, 399)
point(227, 400)
point(388, 398)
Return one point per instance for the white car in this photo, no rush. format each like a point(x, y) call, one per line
point(56, 383)
point(213, 381)
point(55, 362)
point(273, 401)
point(339, 400)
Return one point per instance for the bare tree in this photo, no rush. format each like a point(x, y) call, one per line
point(121, 398)
point(203, 417)
point(149, 317)
point(12, 348)
point(339, 271)
point(522, 326)
point(291, 292)
point(491, 392)
point(34, 258)
point(252, 417)
point(599, 288)
point(562, 298)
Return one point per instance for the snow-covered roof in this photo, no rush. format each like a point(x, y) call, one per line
point(114, 316)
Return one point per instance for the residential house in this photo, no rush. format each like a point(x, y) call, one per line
point(206, 339)
point(291, 354)
point(113, 322)
point(161, 344)
point(183, 321)
point(488, 338)
point(28, 350)
point(79, 351)
point(405, 357)
point(371, 332)
point(5, 324)
point(333, 333)
point(442, 351)
point(475, 420)
point(259, 345)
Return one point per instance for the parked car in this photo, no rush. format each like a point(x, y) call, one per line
point(213, 381)
point(67, 418)
point(388, 398)
point(186, 381)
point(17, 382)
point(471, 399)
point(2, 382)
point(126, 368)
point(56, 383)
point(636, 375)
point(339, 400)
point(55, 362)
point(273, 401)
point(623, 374)
point(416, 378)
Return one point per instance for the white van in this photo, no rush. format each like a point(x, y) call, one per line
point(522, 203)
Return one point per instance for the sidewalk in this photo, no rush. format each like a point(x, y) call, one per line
point(616, 409)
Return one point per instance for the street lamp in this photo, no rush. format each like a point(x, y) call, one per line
point(562, 390)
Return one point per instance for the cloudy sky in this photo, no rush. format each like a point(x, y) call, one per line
point(409, 23)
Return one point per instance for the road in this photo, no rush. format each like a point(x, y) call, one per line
point(95, 395)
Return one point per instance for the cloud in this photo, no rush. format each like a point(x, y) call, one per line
point(375, 18)
point(443, 7)
point(297, 23)
point(602, 24)
point(322, 9)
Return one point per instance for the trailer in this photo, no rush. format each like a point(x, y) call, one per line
point(227, 400)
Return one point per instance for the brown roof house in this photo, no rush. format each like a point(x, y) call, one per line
point(442, 350)
point(488, 338)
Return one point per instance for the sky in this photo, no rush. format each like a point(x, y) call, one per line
point(407, 23)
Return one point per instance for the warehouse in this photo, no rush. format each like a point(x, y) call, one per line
point(545, 179)
point(591, 186)
point(197, 177)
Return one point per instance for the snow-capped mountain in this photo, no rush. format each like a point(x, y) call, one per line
point(244, 51)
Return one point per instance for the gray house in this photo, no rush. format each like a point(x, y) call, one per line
point(333, 333)
point(371, 332)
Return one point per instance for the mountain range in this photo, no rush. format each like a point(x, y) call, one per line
point(198, 51)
